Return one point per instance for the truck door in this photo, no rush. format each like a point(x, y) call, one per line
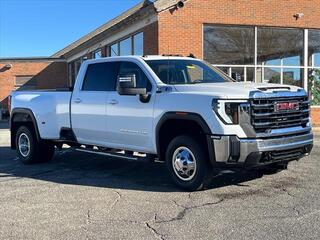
point(130, 120)
point(89, 103)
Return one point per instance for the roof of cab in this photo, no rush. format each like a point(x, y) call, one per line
point(151, 57)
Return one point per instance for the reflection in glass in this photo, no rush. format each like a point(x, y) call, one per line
point(225, 70)
point(114, 50)
point(97, 54)
point(229, 44)
point(275, 44)
point(292, 76)
point(268, 75)
point(314, 47)
point(250, 74)
point(274, 62)
point(238, 74)
point(126, 47)
point(314, 86)
point(316, 59)
point(292, 61)
point(138, 44)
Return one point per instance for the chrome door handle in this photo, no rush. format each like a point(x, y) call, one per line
point(77, 100)
point(113, 102)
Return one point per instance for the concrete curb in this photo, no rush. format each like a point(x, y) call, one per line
point(316, 129)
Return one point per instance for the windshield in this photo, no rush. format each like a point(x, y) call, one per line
point(186, 72)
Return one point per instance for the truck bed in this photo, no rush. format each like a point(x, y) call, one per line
point(51, 108)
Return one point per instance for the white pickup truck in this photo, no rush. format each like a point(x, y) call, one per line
point(178, 110)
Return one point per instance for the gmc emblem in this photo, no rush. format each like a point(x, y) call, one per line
point(286, 106)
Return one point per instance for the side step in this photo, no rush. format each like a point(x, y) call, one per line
point(146, 158)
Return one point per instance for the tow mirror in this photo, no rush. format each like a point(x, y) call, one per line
point(127, 85)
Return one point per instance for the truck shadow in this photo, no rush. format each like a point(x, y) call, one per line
point(75, 168)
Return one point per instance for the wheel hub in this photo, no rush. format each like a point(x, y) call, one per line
point(184, 163)
point(24, 145)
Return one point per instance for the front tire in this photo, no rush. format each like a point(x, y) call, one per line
point(30, 150)
point(187, 163)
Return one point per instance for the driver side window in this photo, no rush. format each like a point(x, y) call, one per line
point(141, 78)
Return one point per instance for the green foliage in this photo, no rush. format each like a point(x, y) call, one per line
point(286, 80)
point(314, 87)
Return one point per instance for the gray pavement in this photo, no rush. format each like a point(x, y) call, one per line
point(83, 196)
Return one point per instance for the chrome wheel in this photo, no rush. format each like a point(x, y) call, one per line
point(24, 144)
point(184, 163)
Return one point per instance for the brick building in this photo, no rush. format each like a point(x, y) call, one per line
point(259, 40)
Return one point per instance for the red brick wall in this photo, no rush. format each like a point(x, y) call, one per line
point(150, 44)
point(315, 115)
point(180, 31)
point(46, 75)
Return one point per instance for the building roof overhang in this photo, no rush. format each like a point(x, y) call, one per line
point(142, 10)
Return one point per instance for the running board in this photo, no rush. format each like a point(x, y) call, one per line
point(109, 154)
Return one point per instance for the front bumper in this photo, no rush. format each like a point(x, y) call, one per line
point(233, 150)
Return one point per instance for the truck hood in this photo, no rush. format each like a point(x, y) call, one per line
point(235, 90)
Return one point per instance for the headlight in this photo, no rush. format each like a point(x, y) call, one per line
point(229, 111)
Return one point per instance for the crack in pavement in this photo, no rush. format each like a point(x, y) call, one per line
point(153, 230)
point(288, 193)
point(179, 216)
point(119, 196)
point(88, 219)
point(186, 209)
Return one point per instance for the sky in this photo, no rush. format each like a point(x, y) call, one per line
point(31, 28)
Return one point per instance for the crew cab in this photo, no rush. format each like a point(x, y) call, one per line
point(177, 110)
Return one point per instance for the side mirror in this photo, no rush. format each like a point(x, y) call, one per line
point(127, 85)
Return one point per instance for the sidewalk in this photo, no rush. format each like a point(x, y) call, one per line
point(316, 130)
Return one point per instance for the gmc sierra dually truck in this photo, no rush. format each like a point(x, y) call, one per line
point(178, 110)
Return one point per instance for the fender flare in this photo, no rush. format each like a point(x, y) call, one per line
point(27, 112)
point(189, 116)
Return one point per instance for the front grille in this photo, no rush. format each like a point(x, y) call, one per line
point(264, 117)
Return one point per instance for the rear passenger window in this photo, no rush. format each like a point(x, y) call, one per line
point(101, 77)
point(132, 68)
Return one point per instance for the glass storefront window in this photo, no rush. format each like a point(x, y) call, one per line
point(132, 45)
point(316, 60)
point(126, 47)
point(280, 43)
point(314, 47)
point(114, 50)
point(292, 76)
point(268, 75)
point(229, 44)
point(292, 61)
point(250, 74)
point(97, 54)
point(237, 74)
point(279, 57)
point(138, 44)
point(240, 74)
point(274, 62)
point(314, 86)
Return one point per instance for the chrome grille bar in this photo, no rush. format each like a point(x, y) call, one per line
point(264, 117)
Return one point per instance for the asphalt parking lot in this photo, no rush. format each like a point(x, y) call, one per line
point(83, 196)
